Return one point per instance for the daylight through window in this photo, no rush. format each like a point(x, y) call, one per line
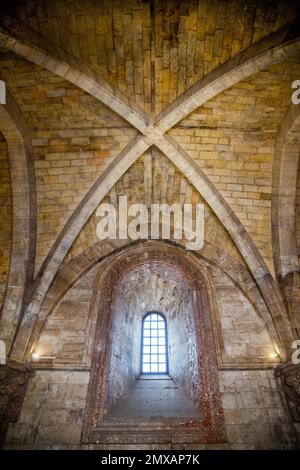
point(154, 345)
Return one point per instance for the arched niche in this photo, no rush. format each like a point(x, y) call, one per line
point(120, 302)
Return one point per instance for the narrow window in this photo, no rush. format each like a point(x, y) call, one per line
point(154, 344)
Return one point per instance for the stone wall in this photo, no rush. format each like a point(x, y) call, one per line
point(67, 331)
point(160, 288)
point(126, 344)
point(255, 416)
point(52, 411)
point(51, 415)
point(244, 337)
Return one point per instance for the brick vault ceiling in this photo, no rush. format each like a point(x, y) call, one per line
point(152, 50)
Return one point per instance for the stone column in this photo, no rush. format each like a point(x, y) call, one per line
point(289, 377)
point(13, 383)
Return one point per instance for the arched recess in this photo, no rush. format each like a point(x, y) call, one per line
point(209, 427)
point(80, 272)
point(285, 174)
point(18, 141)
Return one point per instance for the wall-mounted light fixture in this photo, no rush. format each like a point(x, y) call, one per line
point(35, 357)
point(274, 355)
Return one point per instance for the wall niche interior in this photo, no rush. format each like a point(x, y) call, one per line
point(153, 277)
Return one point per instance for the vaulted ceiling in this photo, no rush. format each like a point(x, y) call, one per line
point(162, 101)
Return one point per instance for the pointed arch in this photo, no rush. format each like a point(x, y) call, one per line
point(285, 167)
point(18, 140)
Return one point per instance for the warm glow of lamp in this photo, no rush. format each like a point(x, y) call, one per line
point(274, 355)
point(37, 357)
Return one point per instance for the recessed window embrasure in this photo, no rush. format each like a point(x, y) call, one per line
point(154, 358)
